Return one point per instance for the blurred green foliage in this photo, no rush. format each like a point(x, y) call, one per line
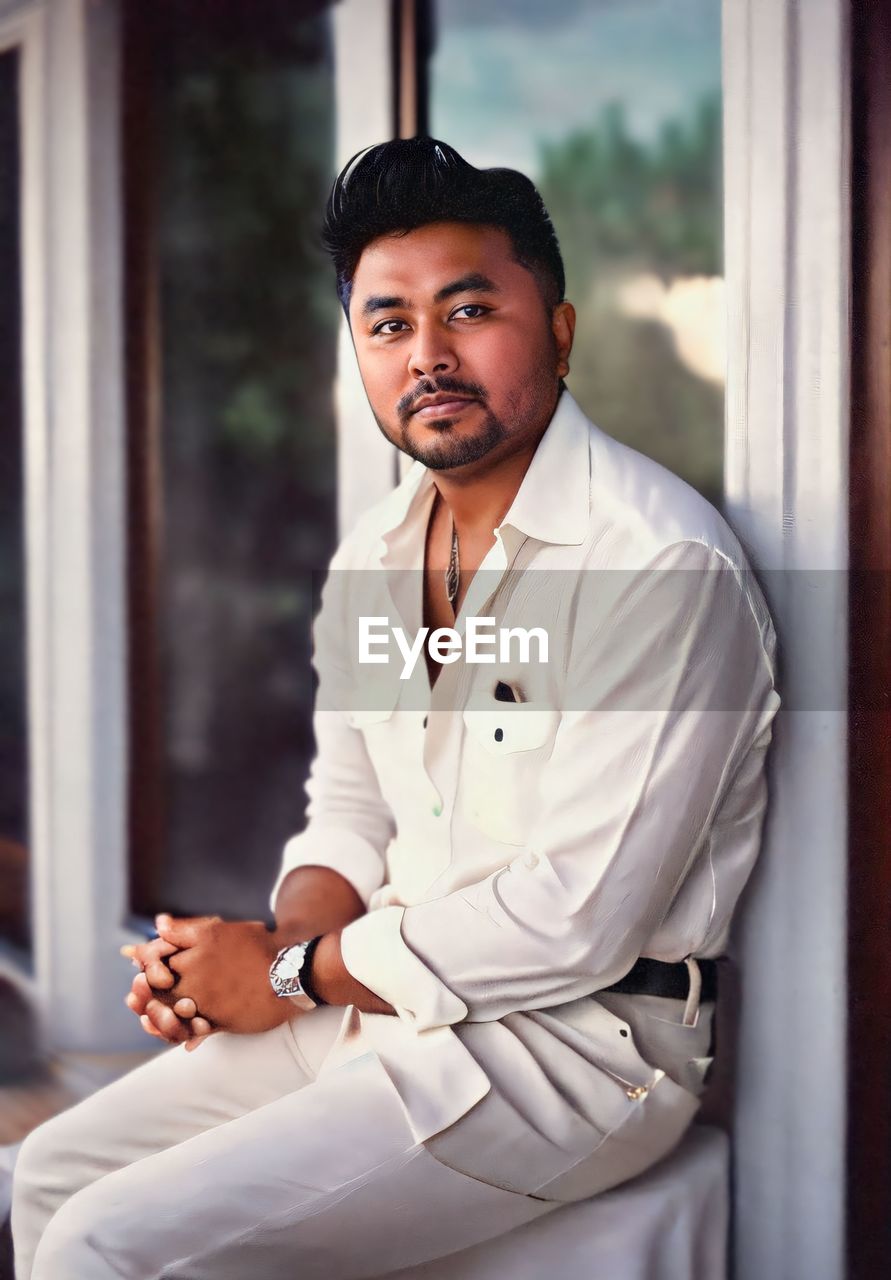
point(623, 207)
point(616, 199)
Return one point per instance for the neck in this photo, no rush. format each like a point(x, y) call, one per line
point(478, 503)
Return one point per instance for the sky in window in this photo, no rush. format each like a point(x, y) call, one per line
point(508, 74)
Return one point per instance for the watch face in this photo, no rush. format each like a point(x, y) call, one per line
point(285, 969)
point(289, 965)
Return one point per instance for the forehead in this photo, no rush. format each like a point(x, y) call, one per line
point(419, 263)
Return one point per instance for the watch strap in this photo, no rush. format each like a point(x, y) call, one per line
point(305, 975)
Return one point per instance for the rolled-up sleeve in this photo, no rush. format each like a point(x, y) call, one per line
point(669, 691)
point(349, 824)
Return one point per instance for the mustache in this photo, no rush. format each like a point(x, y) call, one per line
point(441, 386)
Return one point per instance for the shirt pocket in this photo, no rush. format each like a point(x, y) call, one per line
point(505, 749)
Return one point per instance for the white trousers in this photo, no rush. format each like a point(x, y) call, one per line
point(238, 1162)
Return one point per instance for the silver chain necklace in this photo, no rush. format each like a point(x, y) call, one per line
point(453, 572)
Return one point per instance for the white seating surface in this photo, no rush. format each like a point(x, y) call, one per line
point(671, 1223)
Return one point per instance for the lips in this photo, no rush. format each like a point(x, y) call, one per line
point(442, 406)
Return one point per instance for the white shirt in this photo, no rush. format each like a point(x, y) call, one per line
point(516, 858)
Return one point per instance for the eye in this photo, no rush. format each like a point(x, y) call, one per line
point(383, 327)
point(464, 311)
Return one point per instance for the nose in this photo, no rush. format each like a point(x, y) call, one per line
point(431, 353)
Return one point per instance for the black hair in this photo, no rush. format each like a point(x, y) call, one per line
point(396, 187)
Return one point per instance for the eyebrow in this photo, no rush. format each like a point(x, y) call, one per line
point(473, 282)
point(382, 302)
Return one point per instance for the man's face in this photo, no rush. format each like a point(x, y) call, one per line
point(458, 352)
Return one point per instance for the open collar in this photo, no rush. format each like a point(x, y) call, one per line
point(552, 504)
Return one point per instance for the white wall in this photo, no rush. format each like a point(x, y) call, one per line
point(787, 242)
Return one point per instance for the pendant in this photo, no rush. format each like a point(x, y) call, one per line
point(453, 573)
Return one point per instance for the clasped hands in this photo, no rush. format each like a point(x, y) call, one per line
point(204, 974)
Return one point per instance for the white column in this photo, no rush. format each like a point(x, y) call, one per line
point(366, 466)
point(75, 530)
point(787, 245)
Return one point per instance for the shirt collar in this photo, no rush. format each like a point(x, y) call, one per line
point(553, 502)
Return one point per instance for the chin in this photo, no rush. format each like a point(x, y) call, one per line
point(450, 455)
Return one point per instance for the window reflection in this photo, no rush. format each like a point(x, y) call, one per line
point(614, 110)
point(238, 113)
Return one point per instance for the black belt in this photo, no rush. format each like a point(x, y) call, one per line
point(660, 978)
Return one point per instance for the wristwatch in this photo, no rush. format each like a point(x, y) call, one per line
point(289, 971)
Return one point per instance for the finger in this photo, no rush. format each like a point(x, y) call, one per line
point(159, 975)
point(142, 953)
point(149, 1027)
point(133, 1003)
point(184, 931)
point(181, 961)
point(199, 1037)
point(173, 1029)
point(166, 1021)
point(201, 1027)
point(144, 989)
point(146, 950)
point(140, 994)
point(185, 1007)
point(167, 998)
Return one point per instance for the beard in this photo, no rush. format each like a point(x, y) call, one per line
point(447, 445)
point(452, 447)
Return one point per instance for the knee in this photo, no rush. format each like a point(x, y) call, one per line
point(37, 1172)
point(49, 1169)
point(38, 1188)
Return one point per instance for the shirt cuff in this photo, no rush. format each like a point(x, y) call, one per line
point(340, 850)
point(376, 954)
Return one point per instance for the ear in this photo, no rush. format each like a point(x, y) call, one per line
point(563, 329)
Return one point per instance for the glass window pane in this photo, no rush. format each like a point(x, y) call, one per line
point(13, 708)
point(240, 128)
point(614, 110)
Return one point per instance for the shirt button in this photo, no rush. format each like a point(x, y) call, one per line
point(437, 811)
point(425, 722)
point(499, 735)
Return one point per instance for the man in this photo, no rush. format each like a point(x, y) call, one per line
point(510, 867)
